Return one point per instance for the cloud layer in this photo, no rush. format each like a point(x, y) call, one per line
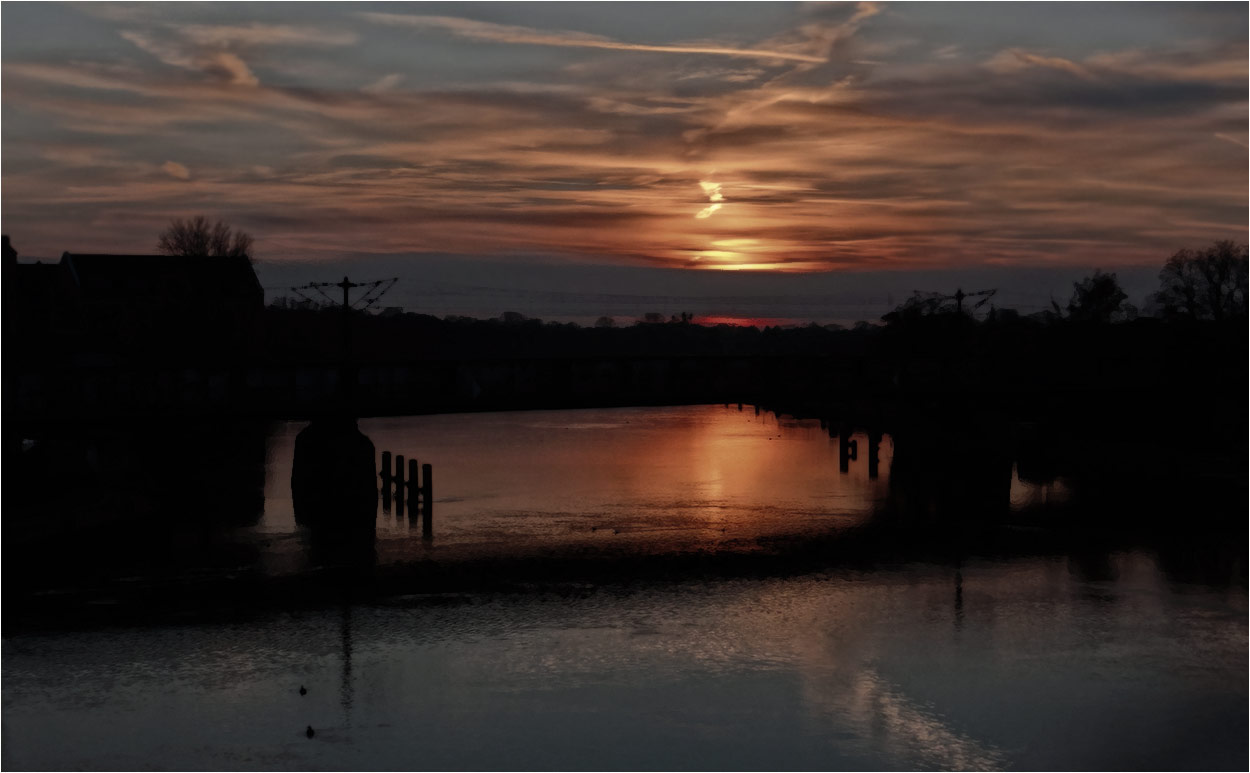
point(827, 137)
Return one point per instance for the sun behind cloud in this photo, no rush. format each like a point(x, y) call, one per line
point(712, 191)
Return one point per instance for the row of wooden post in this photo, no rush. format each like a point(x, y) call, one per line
point(418, 488)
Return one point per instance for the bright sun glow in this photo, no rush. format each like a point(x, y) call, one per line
point(742, 254)
point(712, 191)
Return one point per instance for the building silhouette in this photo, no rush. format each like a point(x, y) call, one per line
point(98, 332)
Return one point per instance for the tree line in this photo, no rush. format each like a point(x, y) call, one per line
point(1205, 284)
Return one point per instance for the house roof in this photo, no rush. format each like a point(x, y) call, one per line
point(157, 278)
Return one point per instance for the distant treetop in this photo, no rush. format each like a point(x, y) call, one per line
point(198, 236)
point(1099, 298)
point(1204, 284)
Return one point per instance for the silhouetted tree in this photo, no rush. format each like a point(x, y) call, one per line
point(605, 322)
point(1203, 284)
point(197, 236)
point(1098, 298)
point(919, 305)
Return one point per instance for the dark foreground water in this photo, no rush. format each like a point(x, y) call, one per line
point(1020, 665)
point(1125, 656)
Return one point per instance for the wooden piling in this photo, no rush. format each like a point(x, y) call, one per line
point(427, 501)
point(414, 483)
point(874, 454)
point(386, 468)
point(399, 471)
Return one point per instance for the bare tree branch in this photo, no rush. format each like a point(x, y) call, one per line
point(198, 236)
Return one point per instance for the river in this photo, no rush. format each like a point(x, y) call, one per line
point(1115, 656)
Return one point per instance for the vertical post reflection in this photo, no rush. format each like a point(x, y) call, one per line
point(345, 682)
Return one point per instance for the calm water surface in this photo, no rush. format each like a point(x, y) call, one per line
point(634, 480)
point(1034, 662)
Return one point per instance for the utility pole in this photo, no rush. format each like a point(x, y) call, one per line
point(347, 285)
point(377, 289)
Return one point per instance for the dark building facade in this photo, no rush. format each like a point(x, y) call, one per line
point(96, 334)
point(198, 304)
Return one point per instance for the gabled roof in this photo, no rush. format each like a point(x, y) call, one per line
point(157, 278)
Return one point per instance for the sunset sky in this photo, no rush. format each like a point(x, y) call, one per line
point(515, 151)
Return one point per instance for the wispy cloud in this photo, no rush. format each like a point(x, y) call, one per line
point(82, 75)
point(384, 84)
point(808, 163)
point(1017, 59)
point(1225, 64)
point(216, 49)
point(176, 170)
point(219, 63)
point(819, 36)
point(224, 35)
point(1229, 63)
point(506, 33)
